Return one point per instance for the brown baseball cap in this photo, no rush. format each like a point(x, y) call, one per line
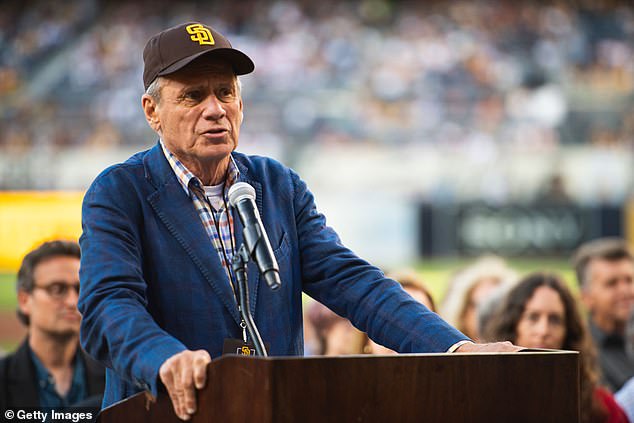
point(176, 47)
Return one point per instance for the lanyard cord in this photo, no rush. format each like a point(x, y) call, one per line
point(233, 283)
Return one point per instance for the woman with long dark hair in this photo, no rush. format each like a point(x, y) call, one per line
point(540, 312)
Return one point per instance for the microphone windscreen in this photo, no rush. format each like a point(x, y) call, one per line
point(239, 191)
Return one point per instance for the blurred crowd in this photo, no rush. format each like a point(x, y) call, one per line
point(490, 301)
point(370, 72)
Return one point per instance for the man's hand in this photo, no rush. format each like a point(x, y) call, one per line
point(182, 374)
point(505, 346)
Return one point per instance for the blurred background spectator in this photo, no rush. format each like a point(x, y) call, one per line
point(540, 312)
point(327, 333)
point(50, 369)
point(605, 273)
point(470, 287)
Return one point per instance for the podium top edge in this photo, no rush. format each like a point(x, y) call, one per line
point(524, 352)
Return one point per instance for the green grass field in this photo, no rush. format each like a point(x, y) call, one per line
point(437, 272)
point(10, 330)
point(434, 272)
point(7, 291)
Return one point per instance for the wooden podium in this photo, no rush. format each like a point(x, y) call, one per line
point(495, 387)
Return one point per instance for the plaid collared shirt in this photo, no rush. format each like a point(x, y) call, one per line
point(217, 223)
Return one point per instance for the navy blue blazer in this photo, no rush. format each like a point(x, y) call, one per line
point(152, 284)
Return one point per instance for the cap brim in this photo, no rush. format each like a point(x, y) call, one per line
point(240, 62)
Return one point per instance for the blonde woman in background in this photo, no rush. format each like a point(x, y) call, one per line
point(472, 286)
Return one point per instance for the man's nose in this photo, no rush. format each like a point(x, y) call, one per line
point(72, 296)
point(214, 108)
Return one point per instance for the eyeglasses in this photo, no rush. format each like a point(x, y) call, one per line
point(59, 290)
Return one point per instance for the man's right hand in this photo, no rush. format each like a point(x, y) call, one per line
point(182, 374)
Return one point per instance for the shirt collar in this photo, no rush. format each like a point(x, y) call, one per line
point(46, 380)
point(188, 179)
point(603, 338)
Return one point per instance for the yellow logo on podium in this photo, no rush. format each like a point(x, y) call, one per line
point(200, 34)
point(246, 351)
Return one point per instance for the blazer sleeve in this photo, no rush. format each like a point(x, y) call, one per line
point(351, 287)
point(117, 328)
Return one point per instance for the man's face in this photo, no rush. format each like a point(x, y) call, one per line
point(199, 113)
point(609, 293)
point(49, 311)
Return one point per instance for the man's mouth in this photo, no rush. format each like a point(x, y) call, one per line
point(72, 316)
point(215, 132)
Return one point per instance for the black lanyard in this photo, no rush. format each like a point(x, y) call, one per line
point(234, 287)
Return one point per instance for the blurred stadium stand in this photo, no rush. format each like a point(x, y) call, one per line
point(380, 105)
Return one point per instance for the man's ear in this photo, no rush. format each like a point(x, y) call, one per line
point(24, 302)
point(150, 109)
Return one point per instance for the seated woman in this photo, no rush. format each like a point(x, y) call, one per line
point(540, 312)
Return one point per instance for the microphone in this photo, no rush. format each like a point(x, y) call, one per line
point(242, 198)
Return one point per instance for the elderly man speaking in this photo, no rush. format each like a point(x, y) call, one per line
point(159, 236)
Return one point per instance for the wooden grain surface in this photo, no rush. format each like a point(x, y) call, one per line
point(520, 387)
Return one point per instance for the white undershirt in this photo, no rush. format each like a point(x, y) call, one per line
point(214, 195)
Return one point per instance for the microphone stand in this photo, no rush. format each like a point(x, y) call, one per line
point(239, 266)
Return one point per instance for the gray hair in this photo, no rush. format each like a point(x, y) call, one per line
point(154, 89)
point(610, 249)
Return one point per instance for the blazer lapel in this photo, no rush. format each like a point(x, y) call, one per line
point(22, 378)
point(176, 210)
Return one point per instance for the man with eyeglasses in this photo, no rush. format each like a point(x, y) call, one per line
point(49, 370)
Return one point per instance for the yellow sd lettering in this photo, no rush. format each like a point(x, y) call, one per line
point(200, 34)
point(246, 351)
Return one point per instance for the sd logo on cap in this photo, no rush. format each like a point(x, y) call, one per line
point(200, 34)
